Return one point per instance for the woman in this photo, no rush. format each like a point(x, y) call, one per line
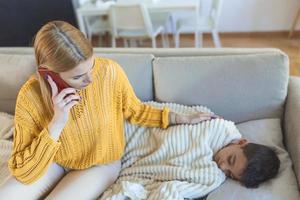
point(71, 140)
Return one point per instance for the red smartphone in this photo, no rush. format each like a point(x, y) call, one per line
point(60, 83)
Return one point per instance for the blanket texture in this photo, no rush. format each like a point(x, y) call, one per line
point(175, 163)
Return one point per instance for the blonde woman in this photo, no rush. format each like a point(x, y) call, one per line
point(72, 140)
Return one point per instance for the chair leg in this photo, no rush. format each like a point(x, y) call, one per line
point(153, 42)
point(100, 40)
point(216, 39)
point(132, 43)
point(139, 42)
point(177, 39)
point(200, 38)
point(173, 24)
point(89, 36)
point(165, 40)
point(125, 42)
point(113, 41)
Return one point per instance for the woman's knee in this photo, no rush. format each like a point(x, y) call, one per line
point(115, 168)
point(92, 182)
point(13, 189)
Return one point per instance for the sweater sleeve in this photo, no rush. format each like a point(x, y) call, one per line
point(137, 112)
point(33, 148)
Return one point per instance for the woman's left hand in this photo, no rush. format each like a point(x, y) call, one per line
point(190, 119)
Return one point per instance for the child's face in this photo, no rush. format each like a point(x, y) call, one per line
point(231, 159)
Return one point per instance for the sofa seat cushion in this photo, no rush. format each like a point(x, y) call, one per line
point(284, 186)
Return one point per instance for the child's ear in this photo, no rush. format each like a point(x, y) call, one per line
point(241, 142)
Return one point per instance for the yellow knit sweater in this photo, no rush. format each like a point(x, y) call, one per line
point(94, 132)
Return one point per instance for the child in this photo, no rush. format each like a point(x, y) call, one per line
point(249, 163)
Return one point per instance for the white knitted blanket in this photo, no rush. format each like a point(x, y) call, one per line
point(175, 163)
point(171, 164)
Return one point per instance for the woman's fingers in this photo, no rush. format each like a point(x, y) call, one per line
point(54, 89)
point(71, 98)
point(200, 119)
point(67, 100)
point(62, 95)
point(70, 105)
point(195, 118)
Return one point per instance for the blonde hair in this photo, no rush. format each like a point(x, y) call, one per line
point(60, 47)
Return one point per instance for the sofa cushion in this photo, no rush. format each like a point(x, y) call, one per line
point(14, 71)
point(6, 125)
point(138, 68)
point(6, 132)
point(292, 125)
point(237, 87)
point(284, 186)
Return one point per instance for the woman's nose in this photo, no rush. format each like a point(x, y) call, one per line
point(89, 78)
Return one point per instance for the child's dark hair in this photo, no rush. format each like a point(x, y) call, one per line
point(262, 164)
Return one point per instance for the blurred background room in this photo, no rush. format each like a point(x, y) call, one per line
point(162, 23)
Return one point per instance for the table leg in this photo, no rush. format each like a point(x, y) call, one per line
point(197, 31)
point(294, 24)
point(197, 13)
point(81, 24)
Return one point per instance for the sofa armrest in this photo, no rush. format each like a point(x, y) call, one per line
point(292, 124)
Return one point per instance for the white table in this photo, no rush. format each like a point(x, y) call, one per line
point(160, 6)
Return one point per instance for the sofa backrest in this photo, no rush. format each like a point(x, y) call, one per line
point(236, 87)
point(15, 69)
point(138, 68)
point(238, 84)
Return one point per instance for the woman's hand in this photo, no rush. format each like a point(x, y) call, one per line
point(62, 104)
point(190, 119)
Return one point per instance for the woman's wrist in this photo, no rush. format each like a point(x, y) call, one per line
point(172, 118)
point(55, 129)
point(175, 118)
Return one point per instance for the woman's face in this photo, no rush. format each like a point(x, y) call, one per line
point(80, 76)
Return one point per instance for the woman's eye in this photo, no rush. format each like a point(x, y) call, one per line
point(76, 78)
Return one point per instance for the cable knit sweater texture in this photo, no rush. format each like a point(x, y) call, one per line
point(94, 132)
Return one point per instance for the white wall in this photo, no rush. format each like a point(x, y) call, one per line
point(254, 15)
point(257, 15)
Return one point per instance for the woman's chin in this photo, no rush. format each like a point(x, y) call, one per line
point(84, 86)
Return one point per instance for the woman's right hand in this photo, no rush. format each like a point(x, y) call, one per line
point(62, 104)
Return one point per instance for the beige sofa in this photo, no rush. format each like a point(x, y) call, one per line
point(248, 86)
